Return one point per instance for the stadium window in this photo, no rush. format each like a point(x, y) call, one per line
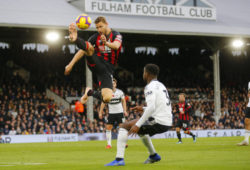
point(146, 50)
point(174, 51)
point(140, 50)
point(42, 48)
point(29, 46)
point(72, 48)
point(237, 53)
point(4, 45)
point(202, 51)
point(38, 47)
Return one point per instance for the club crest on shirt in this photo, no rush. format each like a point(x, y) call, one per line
point(148, 93)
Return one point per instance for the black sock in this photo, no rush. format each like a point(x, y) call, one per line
point(81, 44)
point(179, 136)
point(118, 159)
point(95, 94)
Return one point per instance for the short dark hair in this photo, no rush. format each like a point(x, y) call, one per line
point(114, 80)
point(152, 69)
point(100, 19)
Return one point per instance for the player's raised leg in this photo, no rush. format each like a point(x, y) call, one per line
point(106, 94)
point(82, 44)
point(85, 48)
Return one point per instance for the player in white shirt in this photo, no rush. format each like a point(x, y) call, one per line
point(117, 110)
point(156, 117)
point(245, 142)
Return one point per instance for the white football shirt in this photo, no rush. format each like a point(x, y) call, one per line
point(158, 104)
point(115, 104)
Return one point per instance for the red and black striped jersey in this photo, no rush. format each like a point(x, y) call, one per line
point(103, 51)
point(184, 109)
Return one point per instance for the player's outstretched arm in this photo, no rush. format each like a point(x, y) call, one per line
point(75, 59)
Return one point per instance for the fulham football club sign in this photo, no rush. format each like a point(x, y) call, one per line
point(189, 9)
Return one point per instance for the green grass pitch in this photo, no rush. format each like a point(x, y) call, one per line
point(206, 153)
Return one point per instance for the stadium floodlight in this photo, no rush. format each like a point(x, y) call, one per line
point(238, 43)
point(52, 36)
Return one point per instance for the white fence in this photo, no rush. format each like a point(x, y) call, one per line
point(101, 136)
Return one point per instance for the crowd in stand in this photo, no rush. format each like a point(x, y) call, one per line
point(25, 110)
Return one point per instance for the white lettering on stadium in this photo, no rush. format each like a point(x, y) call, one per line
point(156, 10)
point(112, 7)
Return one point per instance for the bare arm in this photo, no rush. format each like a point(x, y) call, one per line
point(75, 59)
point(115, 45)
point(101, 110)
point(124, 105)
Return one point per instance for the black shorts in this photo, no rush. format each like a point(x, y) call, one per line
point(247, 112)
point(183, 124)
point(116, 118)
point(152, 129)
point(103, 70)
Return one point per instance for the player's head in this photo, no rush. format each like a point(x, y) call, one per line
point(101, 25)
point(114, 83)
point(182, 97)
point(151, 71)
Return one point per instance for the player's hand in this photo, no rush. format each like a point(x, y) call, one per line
point(72, 32)
point(125, 113)
point(68, 69)
point(134, 130)
point(138, 109)
point(103, 38)
point(100, 116)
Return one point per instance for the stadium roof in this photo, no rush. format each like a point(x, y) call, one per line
point(232, 18)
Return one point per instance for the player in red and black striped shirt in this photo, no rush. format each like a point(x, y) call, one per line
point(183, 109)
point(102, 51)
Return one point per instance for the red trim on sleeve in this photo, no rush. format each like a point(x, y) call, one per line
point(87, 45)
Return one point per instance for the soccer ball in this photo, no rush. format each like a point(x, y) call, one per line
point(83, 21)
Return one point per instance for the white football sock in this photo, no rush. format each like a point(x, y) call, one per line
point(247, 133)
point(121, 142)
point(108, 137)
point(146, 140)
